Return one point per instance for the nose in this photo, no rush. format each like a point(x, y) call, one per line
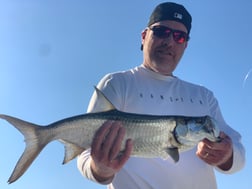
point(168, 41)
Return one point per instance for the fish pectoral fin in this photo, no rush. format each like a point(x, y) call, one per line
point(174, 153)
point(71, 151)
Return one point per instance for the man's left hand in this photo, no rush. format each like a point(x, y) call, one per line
point(218, 154)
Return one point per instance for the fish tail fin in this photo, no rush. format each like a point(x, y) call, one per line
point(34, 145)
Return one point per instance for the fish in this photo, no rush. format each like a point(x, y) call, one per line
point(153, 135)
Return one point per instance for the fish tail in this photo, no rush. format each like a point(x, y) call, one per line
point(34, 144)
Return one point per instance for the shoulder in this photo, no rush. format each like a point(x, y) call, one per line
point(119, 78)
point(194, 87)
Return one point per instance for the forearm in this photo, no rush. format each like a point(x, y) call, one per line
point(84, 166)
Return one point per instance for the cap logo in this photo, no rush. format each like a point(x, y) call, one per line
point(178, 16)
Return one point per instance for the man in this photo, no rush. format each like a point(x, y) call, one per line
point(153, 89)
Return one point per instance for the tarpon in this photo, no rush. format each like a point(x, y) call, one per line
point(152, 135)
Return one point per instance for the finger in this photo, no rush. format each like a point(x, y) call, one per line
point(225, 138)
point(203, 147)
point(111, 141)
point(202, 154)
point(126, 154)
point(207, 144)
point(203, 150)
point(117, 144)
point(223, 144)
point(99, 137)
point(205, 156)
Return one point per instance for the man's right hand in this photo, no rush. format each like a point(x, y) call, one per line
point(107, 157)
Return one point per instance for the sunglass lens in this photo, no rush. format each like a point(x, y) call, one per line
point(161, 32)
point(179, 37)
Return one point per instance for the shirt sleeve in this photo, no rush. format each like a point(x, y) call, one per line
point(238, 148)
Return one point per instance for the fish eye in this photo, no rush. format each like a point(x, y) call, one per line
point(200, 120)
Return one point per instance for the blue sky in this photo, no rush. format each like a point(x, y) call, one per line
point(52, 53)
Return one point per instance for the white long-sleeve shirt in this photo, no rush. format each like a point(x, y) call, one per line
point(142, 91)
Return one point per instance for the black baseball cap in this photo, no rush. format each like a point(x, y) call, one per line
point(171, 11)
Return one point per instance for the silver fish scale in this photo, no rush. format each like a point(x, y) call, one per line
point(80, 130)
point(150, 139)
point(149, 134)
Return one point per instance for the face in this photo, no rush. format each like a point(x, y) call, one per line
point(162, 55)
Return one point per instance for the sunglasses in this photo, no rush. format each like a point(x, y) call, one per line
point(164, 32)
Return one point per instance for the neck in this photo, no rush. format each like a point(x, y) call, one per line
point(158, 70)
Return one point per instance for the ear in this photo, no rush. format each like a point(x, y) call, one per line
point(143, 35)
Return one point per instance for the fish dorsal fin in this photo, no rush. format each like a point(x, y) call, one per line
point(173, 152)
point(104, 103)
point(71, 151)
